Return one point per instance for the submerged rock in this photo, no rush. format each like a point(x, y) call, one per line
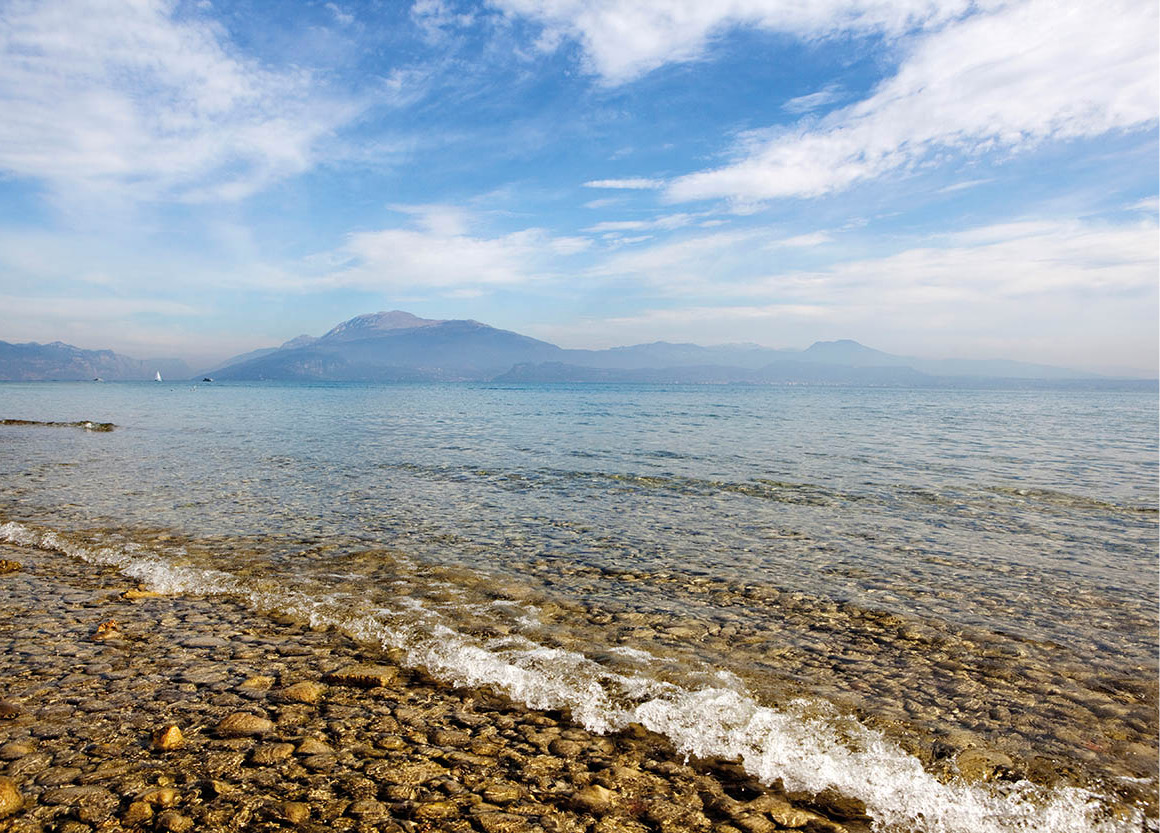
point(10, 798)
point(244, 724)
point(364, 676)
point(168, 738)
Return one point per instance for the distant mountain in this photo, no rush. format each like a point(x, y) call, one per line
point(32, 362)
point(398, 346)
point(857, 355)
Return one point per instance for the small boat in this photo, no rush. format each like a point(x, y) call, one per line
point(98, 379)
point(157, 377)
point(206, 379)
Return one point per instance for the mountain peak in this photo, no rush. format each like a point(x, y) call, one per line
point(374, 323)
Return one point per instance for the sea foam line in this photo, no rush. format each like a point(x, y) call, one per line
point(804, 744)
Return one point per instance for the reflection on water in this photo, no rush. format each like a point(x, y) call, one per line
point(937, 562)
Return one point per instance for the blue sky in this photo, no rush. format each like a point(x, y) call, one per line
point(929, 177)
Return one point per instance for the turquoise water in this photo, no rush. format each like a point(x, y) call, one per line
point(929, 562)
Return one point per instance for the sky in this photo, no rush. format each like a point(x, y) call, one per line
point(938, 178)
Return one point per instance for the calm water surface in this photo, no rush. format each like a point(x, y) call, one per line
point(944, 568)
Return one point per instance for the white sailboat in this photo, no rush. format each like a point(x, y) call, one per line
point(157, 378)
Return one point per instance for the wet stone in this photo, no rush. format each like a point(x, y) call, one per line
point(294, 812)
point(271, 753)
point(363, 676)
point(57, 775)
point(167, 738)
point(10, 798)
point(242, 724)
point(174, 822)
point(303, 692)
point(15, 749)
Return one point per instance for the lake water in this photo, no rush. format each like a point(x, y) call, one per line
point(842, 588)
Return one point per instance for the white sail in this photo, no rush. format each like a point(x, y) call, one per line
point(157, 378)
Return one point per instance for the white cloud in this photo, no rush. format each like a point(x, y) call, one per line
point(990, 263)
point(341, 17)
point(127, 95)
point(623, 40)
point(1148, 204)
point(1029, 72)
point(442, 255)
point(802, 241)
point(808, 103)
point(633, 184)
point(666, 223)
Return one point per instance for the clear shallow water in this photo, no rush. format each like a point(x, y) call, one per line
point(928, 562)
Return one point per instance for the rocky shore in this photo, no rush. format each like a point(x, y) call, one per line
point(124, 710)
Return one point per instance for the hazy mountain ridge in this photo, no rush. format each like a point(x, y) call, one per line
point(34, 362)
point(399, 346)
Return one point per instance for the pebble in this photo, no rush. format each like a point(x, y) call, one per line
point(168, 738)
point(294, 812)
point(364, 676)
point(10, 798)
point(304, 692)
point(593, 799)
point(271, 753)
point(8, 566)
point(243, 724)
point(174, 822)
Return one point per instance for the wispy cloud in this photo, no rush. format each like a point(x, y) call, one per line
point(622, 41)
point(632, 184)
point(813, 101)
point(665, 223)
point(135, 98)
point(1029, 72)
point(443, 256)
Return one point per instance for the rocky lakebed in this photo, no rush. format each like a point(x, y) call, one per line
point(122, 709)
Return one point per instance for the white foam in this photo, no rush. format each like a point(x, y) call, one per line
point(805, 744)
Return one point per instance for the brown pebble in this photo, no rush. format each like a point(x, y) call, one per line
point(137, 812)
point(367, 809)
point(9, 710)
point(304, 692)
point(499, 793)
point(244, 724)
point(271, 753)
point(294, 812)
point(364, 676)
point(138, 594)
point(565, 748)
point(10, 798)
point(257, 683)
point(436, 810)
point(107, 630)
point(174, 822)
point(8, 566)
point(593, 799)
point(160, 797)
point(15, 749)
point(313, 746)
point(167, 738)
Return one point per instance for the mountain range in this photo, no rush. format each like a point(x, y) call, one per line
point(32, 362)
point(398, 346)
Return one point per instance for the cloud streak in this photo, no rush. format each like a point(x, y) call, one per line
point(1005, 81)
point(622, 41)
